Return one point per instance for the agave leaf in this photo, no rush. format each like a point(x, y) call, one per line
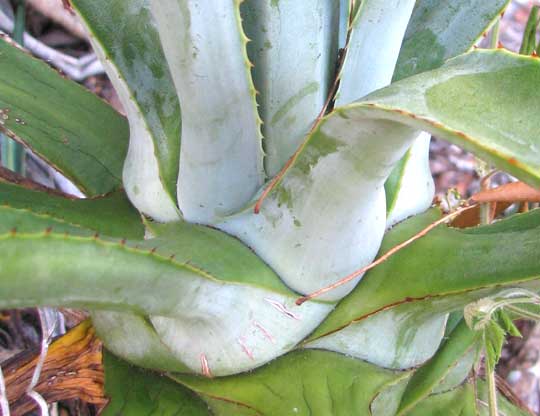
point(125, 39)
point(410, 187)
point(454, 103)
point(300, 383)
point(293, 50)
point(461, 340)
point(208, 297)
point(70, 128)
point(457, 402)
point(400, 338)
point(331, 197)
point(438, 30)
point(111, 215)
point(372, 52)
point(135, 392)
point(221, 161)
point(444, 270)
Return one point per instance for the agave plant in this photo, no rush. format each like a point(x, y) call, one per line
point(270, 148)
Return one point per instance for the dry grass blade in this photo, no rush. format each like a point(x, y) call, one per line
point(73, 369)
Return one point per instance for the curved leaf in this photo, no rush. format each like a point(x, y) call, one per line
point(438, 30)
point(425, 379)
point(300, 383)
point(446, 268)
point(321, 219)
point(471, 101)
point(209, 298)
point(134, 392)
point(221, 161)
point(111, 215)
point(73, 130)
point(372, 51)
point(410, 187)
point(293, 49)
point(126, 41)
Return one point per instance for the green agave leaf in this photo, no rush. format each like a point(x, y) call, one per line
point(293, 50)
point(458, 402)
point(438, 30)
point(111, 215)
point(124, 36)
point(221, 161)
point(444, 270)
point(462, 402)
point(135, 392)
point(299, 383)
point(460, 371)
point(410, 187)
point(386, 402)
point(214, 305)
point(425, 379)
point(400, 338)
point(331, 197)
point(372, 52)
point(70, 128)
point(455, 103)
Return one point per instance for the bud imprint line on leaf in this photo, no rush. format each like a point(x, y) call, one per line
point(280, 307)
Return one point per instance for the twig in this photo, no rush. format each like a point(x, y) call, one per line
point(384, 257)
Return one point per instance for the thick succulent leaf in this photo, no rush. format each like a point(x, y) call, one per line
point(300, 383)
point(444, 270)
point(135, 392)
point(70, 128)
point(331, 198)
point(458, 402)
point(221, 161)
point(472, 101)
point(111, 215)
point(425, 379)
point(209, 298)
point(410, 187)
point(293, 49)
point(440, 30)
point(327, 216)
point(386, 402)
point(401, 338)
point(124, 37)
point(373, 48)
